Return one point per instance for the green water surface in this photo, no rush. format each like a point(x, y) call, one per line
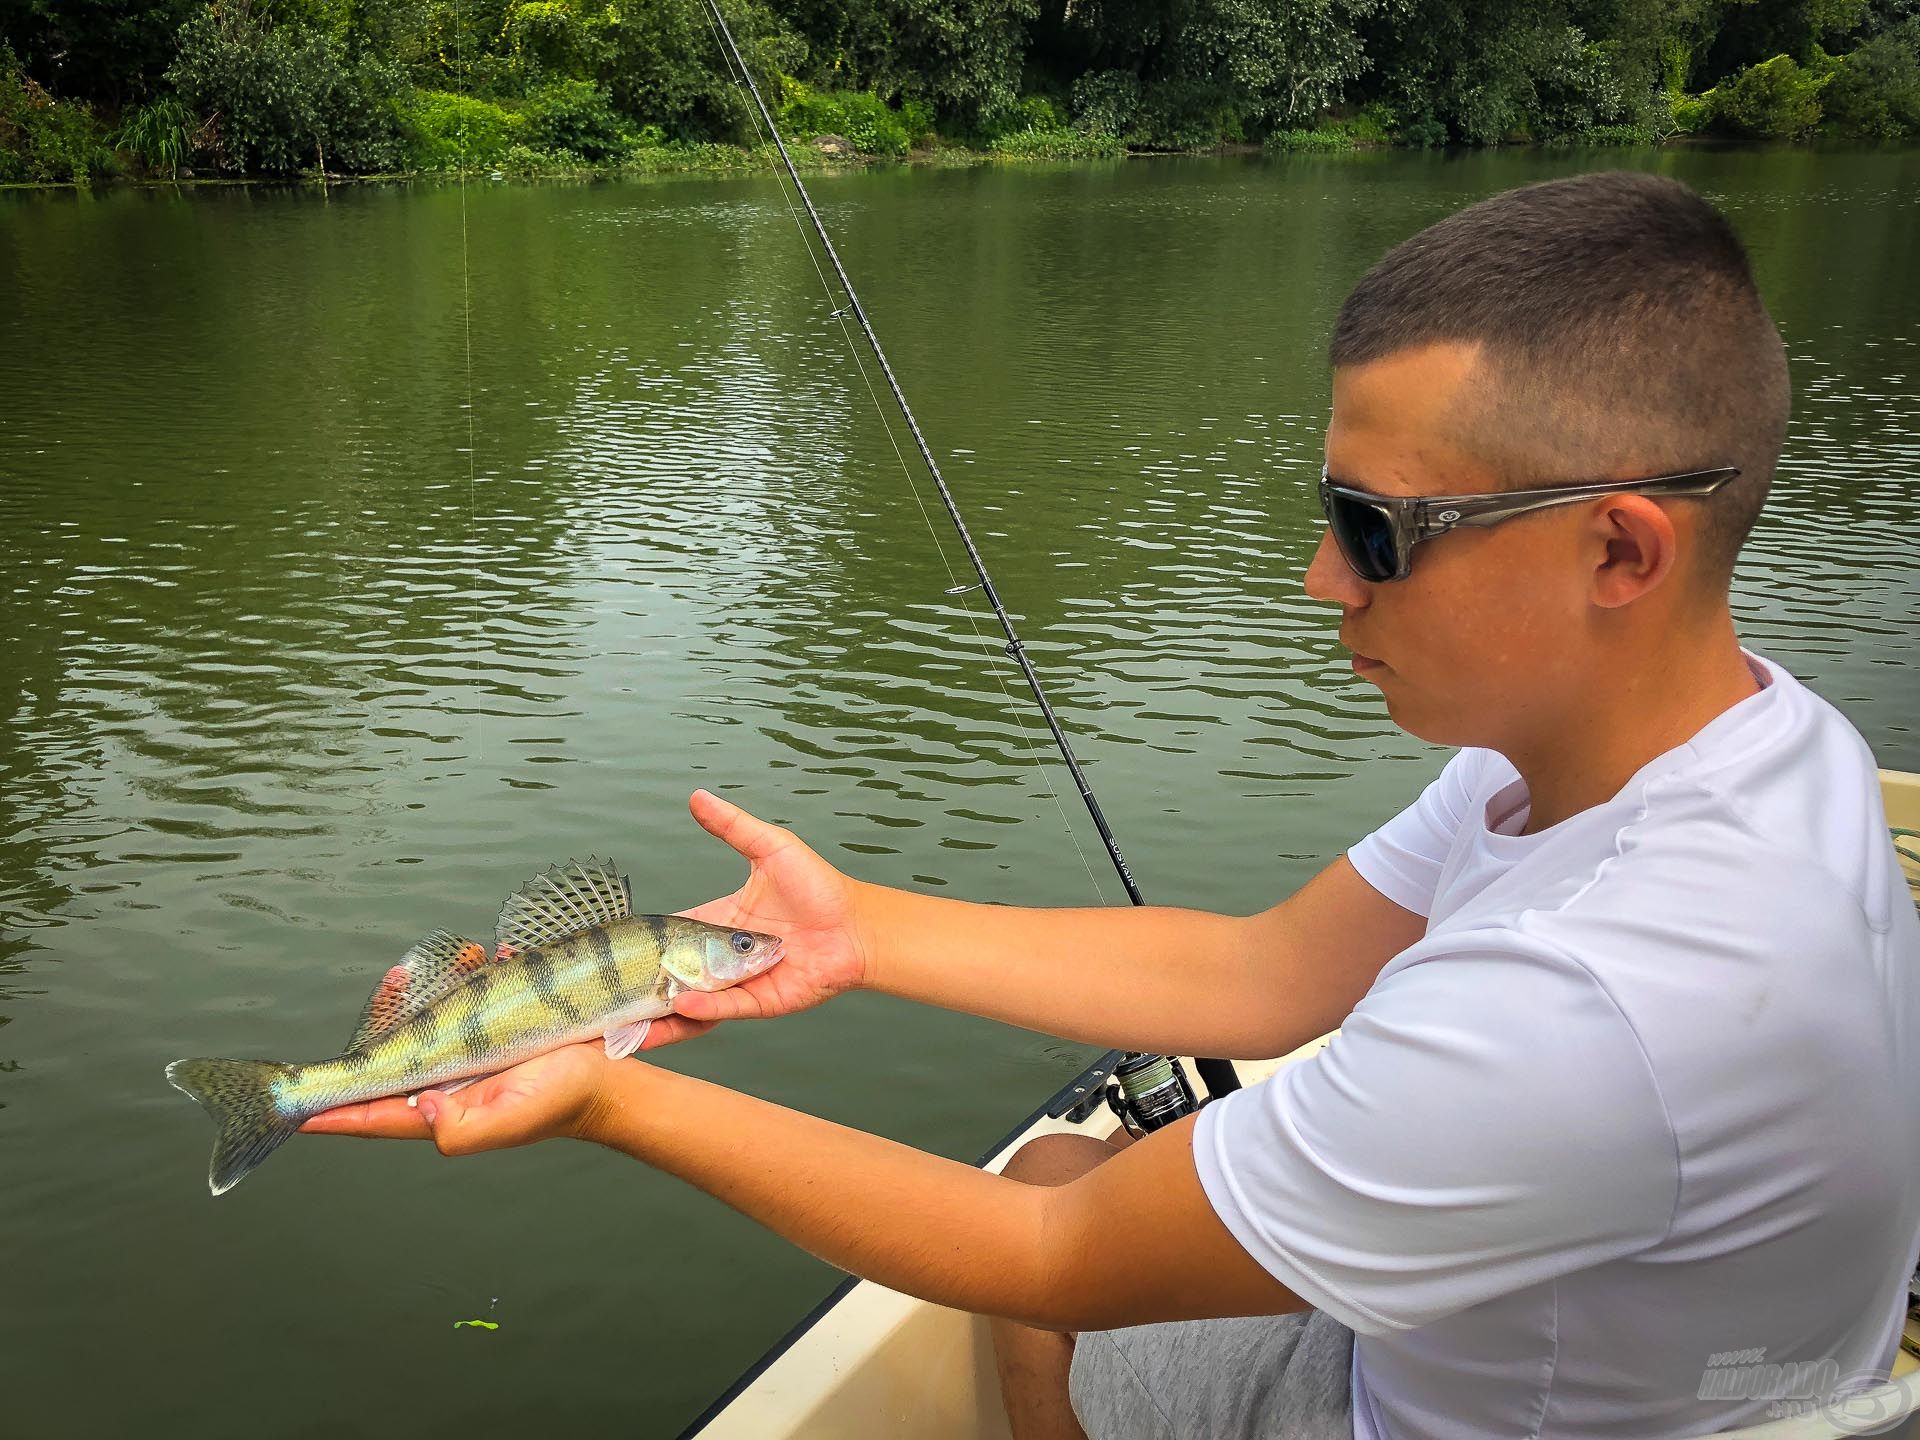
point(318, 634)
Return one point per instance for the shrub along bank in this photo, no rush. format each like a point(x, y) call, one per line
point(280, 87)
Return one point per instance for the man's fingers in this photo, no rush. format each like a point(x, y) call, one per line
point(391, 1119)
point(455, 1128)
point(672, 1029)
point(712, 1006)
point(751, 836)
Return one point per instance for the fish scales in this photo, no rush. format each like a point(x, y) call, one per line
point(447, 1014)
point(539, 1001)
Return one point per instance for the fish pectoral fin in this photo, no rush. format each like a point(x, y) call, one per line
point(436, 966)
point(566, 900)
point(413, 1100)
point(623, 1040)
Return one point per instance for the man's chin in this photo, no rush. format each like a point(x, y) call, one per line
point(1423, 722)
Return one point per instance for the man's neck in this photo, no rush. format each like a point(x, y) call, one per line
point(1663, 701)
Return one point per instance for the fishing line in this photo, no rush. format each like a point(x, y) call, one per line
point(1219, 1075)
point(466, 323)
point(839, 313)
point(736, 71)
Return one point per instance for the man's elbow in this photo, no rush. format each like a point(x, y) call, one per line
point(1071, 1312)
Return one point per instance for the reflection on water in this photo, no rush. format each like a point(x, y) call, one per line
point(304, 657)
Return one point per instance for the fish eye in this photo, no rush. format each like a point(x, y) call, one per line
point(742, 942)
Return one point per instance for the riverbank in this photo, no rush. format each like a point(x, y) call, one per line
point(811, 153)
point(553, 87)
point(697, 160)
point(824, 155)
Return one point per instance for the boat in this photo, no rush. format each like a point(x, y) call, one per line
point(871, 1361)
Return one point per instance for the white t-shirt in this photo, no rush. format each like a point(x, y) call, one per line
point(1646, 1095)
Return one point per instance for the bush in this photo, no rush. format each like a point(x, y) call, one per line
point(1105, 101)
point(1575, 89)
point(658, 61)
point(1329, 137)
point(1365, 131)
point(43, 139)
point(861, 116)
point(159, 136)
point(1057, 143)
point(917, 117)
point(1624, 134)
point(1374, 125)
point(1186, 115)
point(280, 99)
point(547, 36)
point(1691, 114)
point(448, 131)
point(1774, 100)
point(1422, 131)
point(576, 116)
point(1875, 92)
point(1015, 117)
point(526, 160)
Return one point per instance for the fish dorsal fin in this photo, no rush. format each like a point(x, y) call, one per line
point(566, 900)
point(433, 968)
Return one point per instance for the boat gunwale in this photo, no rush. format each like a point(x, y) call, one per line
point(1055, 1105)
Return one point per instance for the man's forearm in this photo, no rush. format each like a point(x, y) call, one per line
point(940, 1230)
point(911, 1221)
point(1150, 978)
point(1178, 982)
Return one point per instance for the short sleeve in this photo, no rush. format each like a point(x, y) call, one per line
point(1485, 1121)
point(1404, 857)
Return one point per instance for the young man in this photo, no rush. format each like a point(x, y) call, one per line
point(1629, 1068)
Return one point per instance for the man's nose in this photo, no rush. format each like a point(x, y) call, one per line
point(1329, 577)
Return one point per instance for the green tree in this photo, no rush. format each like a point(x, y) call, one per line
point(43, 138)
point(1874, 94)
point(1774, 100)
point(111, 52)
point(964, 56)
point(662, 65)
point(1474, 70)
point(278, 99)
point(1289, 59)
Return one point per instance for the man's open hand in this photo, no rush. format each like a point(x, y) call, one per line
point(790, 892)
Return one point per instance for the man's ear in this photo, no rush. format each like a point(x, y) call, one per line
point(1636, 547)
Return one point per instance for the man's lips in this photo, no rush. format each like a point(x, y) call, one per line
point(1362, 663)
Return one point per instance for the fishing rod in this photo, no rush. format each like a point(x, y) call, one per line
point(1152, 1089)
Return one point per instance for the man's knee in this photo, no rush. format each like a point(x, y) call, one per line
point(1056, 1159)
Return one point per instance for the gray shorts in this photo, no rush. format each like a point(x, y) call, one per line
point(1272, 1377)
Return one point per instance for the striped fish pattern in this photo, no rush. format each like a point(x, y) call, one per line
point(571, 962)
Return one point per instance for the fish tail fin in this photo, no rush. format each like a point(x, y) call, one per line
point(238, 1094)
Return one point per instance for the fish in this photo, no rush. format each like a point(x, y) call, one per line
point(571, 962)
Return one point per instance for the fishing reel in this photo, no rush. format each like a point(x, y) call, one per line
point(1150, 1091)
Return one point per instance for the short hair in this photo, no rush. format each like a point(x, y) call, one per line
point(1622, 325)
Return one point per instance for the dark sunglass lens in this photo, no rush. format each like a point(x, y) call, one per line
point(1365, 537)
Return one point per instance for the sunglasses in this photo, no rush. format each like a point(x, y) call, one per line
point(1376, 533)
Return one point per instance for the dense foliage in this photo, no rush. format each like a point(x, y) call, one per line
point(288, 86)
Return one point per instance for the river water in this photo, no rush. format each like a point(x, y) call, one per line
point(335, 608)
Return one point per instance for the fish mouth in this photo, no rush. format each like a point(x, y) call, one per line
point(752, 966)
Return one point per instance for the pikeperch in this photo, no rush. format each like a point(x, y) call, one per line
point(571, 962)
